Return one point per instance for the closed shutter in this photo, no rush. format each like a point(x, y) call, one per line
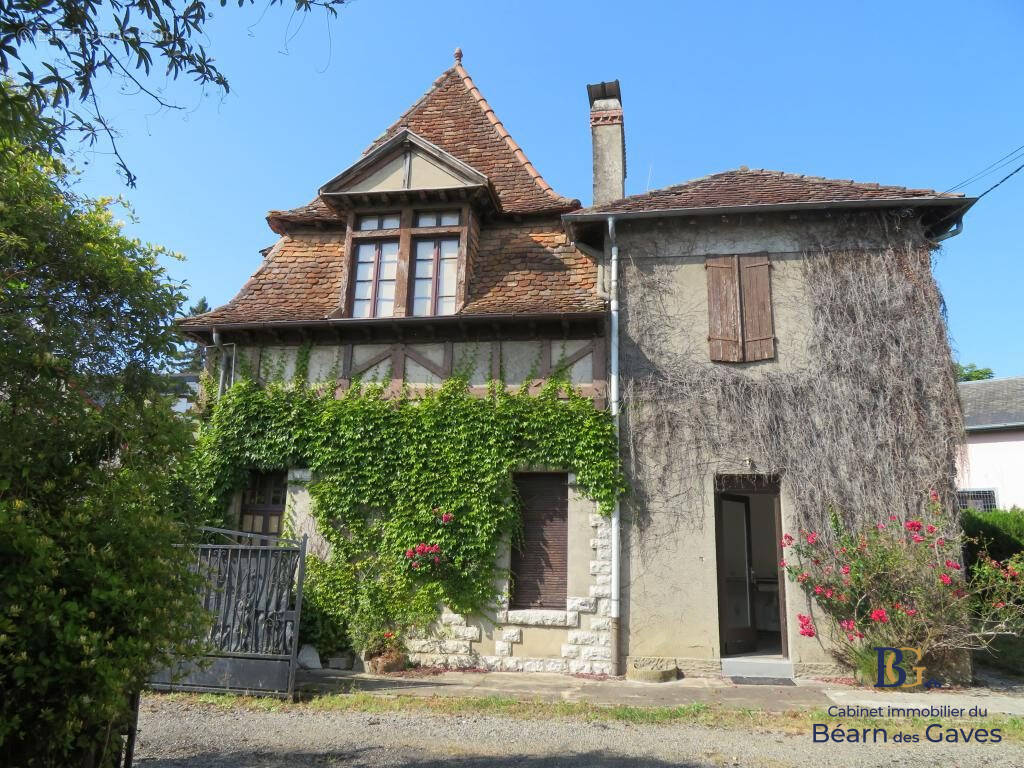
point(540, 561)
point(756, 307)
point(723, 309)
point(740, 323)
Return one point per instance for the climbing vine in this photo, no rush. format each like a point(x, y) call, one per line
point(415, 495)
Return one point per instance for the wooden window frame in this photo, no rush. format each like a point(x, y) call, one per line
point(380, 221)
point(406, 235)
point(437, 213)
point(266, 509)
point(378, 243)
point(435, 273)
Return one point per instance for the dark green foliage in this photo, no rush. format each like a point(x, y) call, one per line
point(386, 473)
point(1001, 530)
point(971, 372)
point(92, 592)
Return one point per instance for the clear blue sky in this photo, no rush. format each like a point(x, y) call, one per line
point(922, 94)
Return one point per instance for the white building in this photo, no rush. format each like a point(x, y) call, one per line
point(992, 472)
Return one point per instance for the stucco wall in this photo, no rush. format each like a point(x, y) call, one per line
point(995, 460)
point(670, 584)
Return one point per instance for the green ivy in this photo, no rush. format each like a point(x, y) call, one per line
point(388, 472)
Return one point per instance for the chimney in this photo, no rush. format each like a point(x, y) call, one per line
point(609, 139)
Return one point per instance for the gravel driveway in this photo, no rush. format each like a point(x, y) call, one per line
point(181, 734)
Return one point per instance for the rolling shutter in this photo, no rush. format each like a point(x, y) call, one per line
point(540, 561)
point(740, 323)
point(723, 309)
point(756, 307)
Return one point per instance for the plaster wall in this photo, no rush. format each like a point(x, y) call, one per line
point(994, 461)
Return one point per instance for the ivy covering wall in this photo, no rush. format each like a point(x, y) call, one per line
point(415, 495)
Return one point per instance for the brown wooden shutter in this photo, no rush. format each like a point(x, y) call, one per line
point(723, 309)
point(756, 307)
point(540, 561)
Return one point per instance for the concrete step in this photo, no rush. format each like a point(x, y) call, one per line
point(757, 666)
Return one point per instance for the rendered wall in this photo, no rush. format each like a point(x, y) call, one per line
point(995, 460)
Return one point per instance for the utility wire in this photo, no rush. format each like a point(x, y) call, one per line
point(1011, 173)
point(1009, 158)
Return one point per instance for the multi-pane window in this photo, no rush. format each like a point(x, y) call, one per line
point(263, 503)
point(378, 221)
point(982, 499)
point(437, 219)
point(435, 272)
point(374, 285)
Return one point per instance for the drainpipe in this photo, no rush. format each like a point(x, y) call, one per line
point(613, 398)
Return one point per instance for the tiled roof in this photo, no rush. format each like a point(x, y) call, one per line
point(524, 268)
point(993, 403)
point(759, 187)
point(456, 117)
point(300, 279)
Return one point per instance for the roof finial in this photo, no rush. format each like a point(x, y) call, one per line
point(458, 55)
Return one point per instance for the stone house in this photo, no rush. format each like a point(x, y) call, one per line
point(442, 249)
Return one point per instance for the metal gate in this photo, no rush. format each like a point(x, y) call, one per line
point(252, 588)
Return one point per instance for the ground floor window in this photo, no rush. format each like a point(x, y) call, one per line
point(540, 559)
point(263, 503)
point(977, 499)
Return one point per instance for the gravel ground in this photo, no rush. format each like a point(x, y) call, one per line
point(182, 734)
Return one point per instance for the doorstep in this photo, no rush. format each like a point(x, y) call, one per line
point(776, 667)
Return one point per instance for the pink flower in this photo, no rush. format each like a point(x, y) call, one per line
point(803, 577)
point(944, 578)
point(913, 525)
point(918, 538)
point(389, 635)
point(953, 564)
point(421, 548)
point(409, 553)
point(807, 630)
point(787, 540)
point(842, 597)
point(812, 537)
point(782, 563)
point(848, 624)
point(880, 526)
point(999, 604)
point(879, 615)
point(828, 593)
point(447, 517)
point(931, 528)
point(911, 611)
point(803, 618)
point(436, 559)
point(818, 589)
point(940, 542)
point(844, 570)
point(415, 564)
point(933, 495)
point(893, 519)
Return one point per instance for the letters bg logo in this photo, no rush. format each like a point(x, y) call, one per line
point(891, 674)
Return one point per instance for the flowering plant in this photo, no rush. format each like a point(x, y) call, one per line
point(384, 643)
point(423, 556)
point(901, 583)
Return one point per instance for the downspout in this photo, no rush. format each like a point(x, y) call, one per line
point(613, 398)
point(958, 227)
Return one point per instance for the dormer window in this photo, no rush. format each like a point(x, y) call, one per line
point(375, 276)
point(437, 269)
point(378, 221)
point(437, 219)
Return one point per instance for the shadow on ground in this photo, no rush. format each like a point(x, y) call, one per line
point(387, 758)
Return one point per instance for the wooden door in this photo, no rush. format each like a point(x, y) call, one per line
point(736, 616)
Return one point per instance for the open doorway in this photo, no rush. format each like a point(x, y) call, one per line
point(751, 589)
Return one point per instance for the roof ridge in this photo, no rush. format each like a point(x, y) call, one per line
point(415, 105)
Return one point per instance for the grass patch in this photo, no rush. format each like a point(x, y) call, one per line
point(697, 713)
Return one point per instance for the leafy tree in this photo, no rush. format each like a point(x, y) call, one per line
point(189, 356)
point(53, 52)
point(93, 593)
point(971, 372)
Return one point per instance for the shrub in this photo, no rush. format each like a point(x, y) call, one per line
point(323, 618)
point(1000, 531)
point(902, 583)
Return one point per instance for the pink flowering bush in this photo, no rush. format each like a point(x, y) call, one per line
point(901, 583)
point(423, 557)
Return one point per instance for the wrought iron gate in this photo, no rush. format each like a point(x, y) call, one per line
point(253, 590)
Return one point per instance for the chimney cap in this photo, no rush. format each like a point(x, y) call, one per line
point(607, 90)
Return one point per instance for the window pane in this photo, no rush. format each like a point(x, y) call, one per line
point(365, 251)
point(446, 280)
point(421, 307)
point(446, 305)
point(450, 248)
point(424, 249)
point(388, 270)
point(426, 219)
point(247, 523)
point(389, 222)
point(422, 289)
point(424, 267)
point(386, 289)
point(368, 222)
point(450, 219)
point(363, 289)
point(273, 523)
point(385, 308)
point(361, 308)
point(389, 250)
point(364, 271)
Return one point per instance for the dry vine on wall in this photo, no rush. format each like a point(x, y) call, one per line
point(862, 418)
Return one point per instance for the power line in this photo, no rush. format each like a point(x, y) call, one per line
point(1015, 170)
point(994, 166)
